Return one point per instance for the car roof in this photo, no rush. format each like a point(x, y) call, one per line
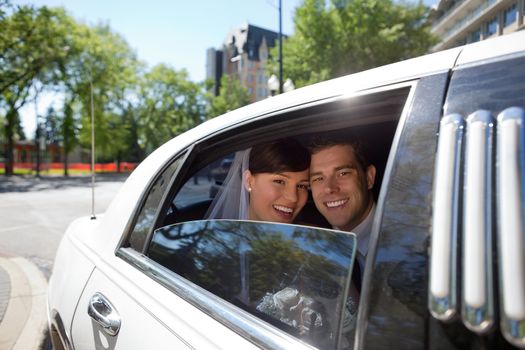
point(493, 48)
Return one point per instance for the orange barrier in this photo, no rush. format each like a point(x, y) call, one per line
point(99, 167)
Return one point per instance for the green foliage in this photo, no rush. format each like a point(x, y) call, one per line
point(348, 36)
point(169, 104)
point(31, 48)
point(232, 95)
point(102, 67)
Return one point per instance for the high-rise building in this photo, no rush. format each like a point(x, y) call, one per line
point(243, 54)
point(459, 22)
point(214, 67)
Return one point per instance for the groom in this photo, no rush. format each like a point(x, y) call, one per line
point(341, 180)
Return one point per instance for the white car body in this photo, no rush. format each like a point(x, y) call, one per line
point(154, 317)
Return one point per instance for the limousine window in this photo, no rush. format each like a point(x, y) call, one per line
point(372, 117)
point(293, 277)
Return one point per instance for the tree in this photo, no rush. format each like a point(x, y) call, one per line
point(31, 47)
point(348, 36)
point(69, 133)
point(103, 67)
point(232, 95)
point(60, 129)
point(169, 104)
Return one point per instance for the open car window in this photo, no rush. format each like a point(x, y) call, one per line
point(293, 277)
point(372, 118)
point(230, 265)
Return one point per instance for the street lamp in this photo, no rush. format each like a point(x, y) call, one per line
point(280, 39)
point(288, 85)
point(273, 84)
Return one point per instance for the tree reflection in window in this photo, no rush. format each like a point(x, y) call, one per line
point(294, 277)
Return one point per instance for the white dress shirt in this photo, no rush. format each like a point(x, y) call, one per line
point(362, 232)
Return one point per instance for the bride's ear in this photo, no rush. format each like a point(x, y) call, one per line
point(247, 180)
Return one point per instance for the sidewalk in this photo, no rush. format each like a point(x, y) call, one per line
point(23, 315)
point(29, 183)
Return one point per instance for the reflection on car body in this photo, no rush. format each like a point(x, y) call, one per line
point(445, 265)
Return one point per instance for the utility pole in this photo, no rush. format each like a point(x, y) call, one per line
point(93, 217)
point(280, 48)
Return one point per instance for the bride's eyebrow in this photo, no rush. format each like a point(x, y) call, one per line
point(282, 174)
point(286, 176)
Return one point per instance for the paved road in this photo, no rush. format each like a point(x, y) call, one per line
point(34, 213)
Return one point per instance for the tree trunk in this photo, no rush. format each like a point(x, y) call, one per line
point(9, 157)
point(118, 162)
point(37, 150)
point(66, 172)
point(65, 148)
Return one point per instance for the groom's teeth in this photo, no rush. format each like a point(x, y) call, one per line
point(284, 209)
point(335, 203)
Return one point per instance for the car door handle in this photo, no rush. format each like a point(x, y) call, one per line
point(103, 313)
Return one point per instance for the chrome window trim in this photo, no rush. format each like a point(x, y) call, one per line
point(511, 241)
point(241, 322)
point(477, 285)
point(442, 294)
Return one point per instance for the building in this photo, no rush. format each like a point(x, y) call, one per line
point(243, 54)
point(214, 68)
point(459, 22)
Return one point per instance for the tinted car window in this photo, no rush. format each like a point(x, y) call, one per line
point(395, 307)
point(293, 277)
point(147, 214)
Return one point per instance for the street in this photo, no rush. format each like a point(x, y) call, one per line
point(34, 213)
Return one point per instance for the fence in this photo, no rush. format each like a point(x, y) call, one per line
point(99, 167)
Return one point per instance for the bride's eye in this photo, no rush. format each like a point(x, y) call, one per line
point(305, 187)
point(278, 181)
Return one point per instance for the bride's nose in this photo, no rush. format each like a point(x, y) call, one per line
point(290, 193)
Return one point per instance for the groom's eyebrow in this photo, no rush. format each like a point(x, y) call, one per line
point(315, 173)
point(344, 166)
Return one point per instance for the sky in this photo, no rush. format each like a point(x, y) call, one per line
point(173, 32)
point(176, 32)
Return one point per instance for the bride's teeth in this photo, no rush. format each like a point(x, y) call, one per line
point(284, 209)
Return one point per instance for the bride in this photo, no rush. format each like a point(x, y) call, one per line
point(268, 182)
